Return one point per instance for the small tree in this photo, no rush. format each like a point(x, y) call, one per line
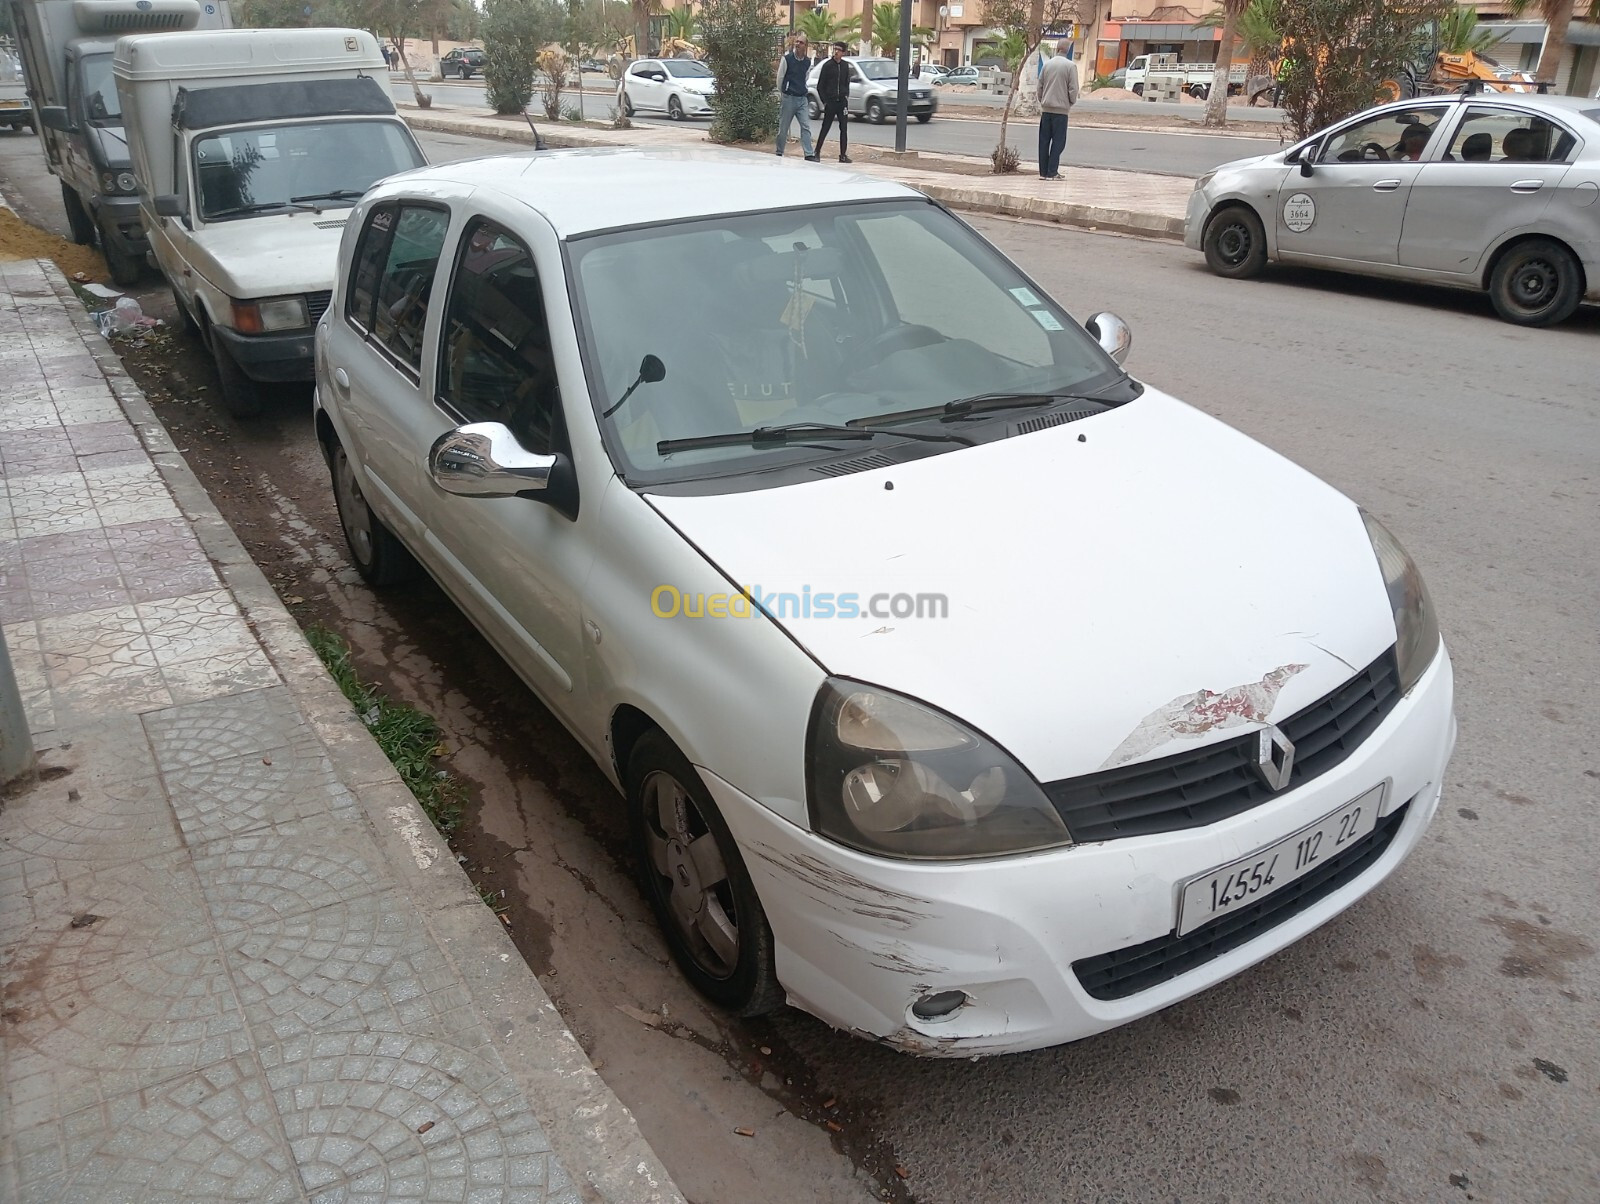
point(553, 65)
point(742, 54)
point(681, 23)
point(514, 32)
point(1460, 32)
point(397, 20)
point(1340, 51)
point(1217, 99)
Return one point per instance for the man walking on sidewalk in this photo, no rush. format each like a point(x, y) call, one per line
point(793, 68)
point(833, 89)
point(1058, 92)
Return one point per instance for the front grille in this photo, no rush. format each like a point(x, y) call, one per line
point(317, 305)
point(1204, 785)
point(1125, 972)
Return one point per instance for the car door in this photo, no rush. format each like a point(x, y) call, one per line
point(644, 90)
point(1352, 207)
point(1501, 172)
point(858, 90)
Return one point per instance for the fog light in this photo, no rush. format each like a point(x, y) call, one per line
point(940, 1006)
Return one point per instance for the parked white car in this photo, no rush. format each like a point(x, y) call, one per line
point(939, 709)
point(1492, 191)
point(680, 88)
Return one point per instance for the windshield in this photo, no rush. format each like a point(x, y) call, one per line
point(823, 315)
point(879, 68)
point(241, 173)
point(100, 91)
point(687, 69)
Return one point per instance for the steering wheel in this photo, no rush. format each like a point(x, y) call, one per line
point(1373, 150)
point(885, 343)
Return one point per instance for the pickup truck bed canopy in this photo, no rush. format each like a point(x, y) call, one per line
point(238, 104)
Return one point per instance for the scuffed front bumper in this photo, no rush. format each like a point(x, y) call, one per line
point(1194, 219)
point(118, 219)
point(860, 939)
point(273, 358)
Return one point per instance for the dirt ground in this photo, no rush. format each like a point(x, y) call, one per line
point(19, 240)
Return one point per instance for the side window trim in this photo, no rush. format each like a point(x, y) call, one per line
point(411, 371)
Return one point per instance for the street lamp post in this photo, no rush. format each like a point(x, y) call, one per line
point(903, 96)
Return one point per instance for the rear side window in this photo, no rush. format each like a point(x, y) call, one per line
point(1495, 135)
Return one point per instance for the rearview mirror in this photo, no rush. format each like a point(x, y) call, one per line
point(484, 459)
point(55, 118)
point(169, 205)
point(1112, 333)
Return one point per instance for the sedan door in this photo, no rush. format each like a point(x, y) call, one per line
point(1352, 207)
point(644, 89)
point(1501, 173)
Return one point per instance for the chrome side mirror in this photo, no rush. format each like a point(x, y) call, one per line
point(1112, 333)
point(484, 459)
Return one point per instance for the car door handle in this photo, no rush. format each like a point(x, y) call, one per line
point(1527, 186)
point(1386, 186)
point(341, 380)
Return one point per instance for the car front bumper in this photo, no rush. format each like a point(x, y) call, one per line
point(860, 939)
point(118, 218)
point(274, 358)
point(1194, 219)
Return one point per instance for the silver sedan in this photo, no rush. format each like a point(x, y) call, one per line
point(1488, 191)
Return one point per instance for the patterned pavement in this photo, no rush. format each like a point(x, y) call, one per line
point(231, 967)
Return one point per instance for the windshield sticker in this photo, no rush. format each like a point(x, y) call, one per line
point(1026, 296)
point(1299, 213)
point(1046, 319)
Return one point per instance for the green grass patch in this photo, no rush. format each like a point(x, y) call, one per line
point(409, 738)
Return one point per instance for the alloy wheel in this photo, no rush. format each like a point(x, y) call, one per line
point(691, 875)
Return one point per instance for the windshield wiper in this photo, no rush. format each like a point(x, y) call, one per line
point(794, 432)
point(338, 194)
point(967, 407)
point(260, 207)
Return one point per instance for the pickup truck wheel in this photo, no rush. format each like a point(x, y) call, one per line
point(378, 555)
point(875, 111)
point(241, 396)
point(1536, 283)
point(78, 219)
point(697, 883)
point(1138, 89)
point(1200, 91)
point(125, 268)
point(1235, 243)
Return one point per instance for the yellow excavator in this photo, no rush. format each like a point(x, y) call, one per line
point(626, 49)
point(1451, 72)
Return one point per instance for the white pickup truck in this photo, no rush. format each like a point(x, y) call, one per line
point(16, 110)
point(1194, 78)
point(250, 147)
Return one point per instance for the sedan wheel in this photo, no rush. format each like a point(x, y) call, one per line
point(875, 111)
point(697, 883)
point(1235, 243)
point(675, 108)
point(627, 104)
point(379, 557)
point(1536, 283)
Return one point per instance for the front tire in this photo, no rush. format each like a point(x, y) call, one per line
point(675, 108)
point(815, 107)
point(1235, 243)
point(924, 118)
point(1536, 283)
point(125, 268)
point(875, 111)
point(241, 396)
point(627, 105)
point(696, 882)
point(78, 220)
point(377, 554)
point(1138, 89)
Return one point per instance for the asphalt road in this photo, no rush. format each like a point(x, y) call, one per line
point(1435, 1043)
point(1184, 154)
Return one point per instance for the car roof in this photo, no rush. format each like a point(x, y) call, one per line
point(1565, 106)
point(582, 191)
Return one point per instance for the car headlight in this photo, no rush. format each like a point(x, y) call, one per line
point(1204, 180)
point(126, 182)
point(1415, 623)
point(272, 313)
point(891, 776)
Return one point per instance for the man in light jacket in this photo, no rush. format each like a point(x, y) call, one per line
point(1058, 92)
point(793, 68)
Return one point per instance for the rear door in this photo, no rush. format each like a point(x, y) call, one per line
point(1498, 177)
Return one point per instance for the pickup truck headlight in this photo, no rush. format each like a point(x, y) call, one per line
point(1415, 624)
point(114, 182)
point(270, 314)
point(893, 777)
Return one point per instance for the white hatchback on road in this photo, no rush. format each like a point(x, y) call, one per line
point(680, 88)
point(940, 707)
point(1495, 191)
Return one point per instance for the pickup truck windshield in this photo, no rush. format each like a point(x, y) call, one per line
point(100, 101)
point(269, 169)
point(866, 315)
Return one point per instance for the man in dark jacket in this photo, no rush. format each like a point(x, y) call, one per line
point(833, 89)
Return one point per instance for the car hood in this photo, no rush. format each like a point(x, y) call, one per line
point(111, 145)
point(1119, 588)
point(273, 254)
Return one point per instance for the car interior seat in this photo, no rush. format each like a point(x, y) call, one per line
point(1476, 148)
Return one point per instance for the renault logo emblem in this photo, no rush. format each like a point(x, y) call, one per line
point(1274, 756)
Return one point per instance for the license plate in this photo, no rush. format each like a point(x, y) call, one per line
point(1254, 877)
point(10, 104)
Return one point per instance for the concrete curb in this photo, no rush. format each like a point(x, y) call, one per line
point(593, 1135)
point(957, 196)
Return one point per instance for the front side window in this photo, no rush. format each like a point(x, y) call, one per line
point(880, 69)
point(1489, 134)
point(688, 69)
point(1388, 138)
point(409, 263)
point(495, 361)
point(100, 91)
point(270, 169)
point(827, 315)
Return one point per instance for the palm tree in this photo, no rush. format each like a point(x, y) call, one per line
point(680, 23)
point(1557, 15)
point(1460, 32)
point(822, 28)
point(1259, 30)
point(1217, 100)
point(886, 30)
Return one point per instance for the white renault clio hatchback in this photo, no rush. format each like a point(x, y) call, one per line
point(940, 710)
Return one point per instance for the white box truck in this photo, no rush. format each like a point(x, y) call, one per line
point(65, 46)
point(250, 147)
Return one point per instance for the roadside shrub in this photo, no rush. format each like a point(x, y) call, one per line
point(742, 51)
point(553, 66)
point(1004, 159)
point(514, 31)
